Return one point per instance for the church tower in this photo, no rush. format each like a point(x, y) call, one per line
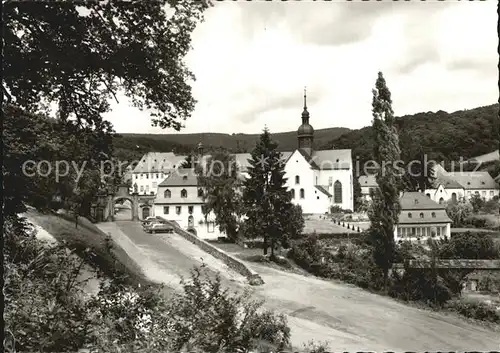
point(305, 133)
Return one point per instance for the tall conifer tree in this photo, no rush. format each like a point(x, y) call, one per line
point(386, 207)
point(266, 199)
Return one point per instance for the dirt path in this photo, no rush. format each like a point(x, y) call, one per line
point(349, 318)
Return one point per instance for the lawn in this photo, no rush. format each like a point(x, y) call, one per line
point(86, 235)
point(324, 226)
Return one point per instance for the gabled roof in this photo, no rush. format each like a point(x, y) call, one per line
point(368, 180)
point(181, 177)
point(418, 201)
point(327, 159)
point(440, 216)
point(474, 180)
point(447, 181)
point(323, 189)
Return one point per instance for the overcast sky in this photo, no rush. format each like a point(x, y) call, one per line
point(253, 59)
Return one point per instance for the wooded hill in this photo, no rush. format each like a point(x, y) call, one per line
point(441, 135)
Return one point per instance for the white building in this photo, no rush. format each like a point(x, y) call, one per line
point(368, 185)
point(179, 198)
point(453, 186)
point(421, 218)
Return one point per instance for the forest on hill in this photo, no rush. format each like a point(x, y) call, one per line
point(133, 146)
point(442, 136)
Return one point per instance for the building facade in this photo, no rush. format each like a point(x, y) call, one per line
point(368, 185)
point(421, 218)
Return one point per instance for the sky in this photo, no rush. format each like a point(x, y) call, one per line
point(252, 61)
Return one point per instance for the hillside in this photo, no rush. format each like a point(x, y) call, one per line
point(441, 135)
point(137, 144)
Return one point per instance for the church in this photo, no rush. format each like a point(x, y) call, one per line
point(316, 179)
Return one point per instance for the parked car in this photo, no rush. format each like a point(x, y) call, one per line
point(160, 228)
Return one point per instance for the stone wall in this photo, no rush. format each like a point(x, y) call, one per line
point(235, 264)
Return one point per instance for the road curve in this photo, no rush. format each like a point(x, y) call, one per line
point(346, 317)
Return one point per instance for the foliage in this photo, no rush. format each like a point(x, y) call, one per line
point(295, 225)
point(267, 203)
point(357, 197)
point(221, 183)
point(418, 173)
point(474, 310)
point(459, 212)
point(476, 202)
point(46, 309)
point(385, 207)
point(91, 50)
point(442, 136)
point(469, 245)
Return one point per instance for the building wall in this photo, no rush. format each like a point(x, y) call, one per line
point(445, 193)
point(345, 178)
point(486, 194)
point(421, 231)
point(148, 182)
point(365, 192)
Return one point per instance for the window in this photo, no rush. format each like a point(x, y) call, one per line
point(167, 194)
point(166, 210)
point(317, 197)
point(200, 192)
point(184, 193)
point(414, 231)
point(142, 176)
point(147, 188)
point(178, 209)
point(484, 193)
point(155, 185)
point(316, 180)
point(302, 193)
point(292, 192)
point(409, 215)
point(185, 177)
point(421, 215)
point(142, 188)
point(190, 209)
point(454, 197)
point(157, 175)
point(428, 195)
point(491, 193)
point(297, 179)
point(433, 214)
point(330, 181)
point(438, 229)
point(147, 176)
point(337, 192)
point(136, 176)
point(441, 201)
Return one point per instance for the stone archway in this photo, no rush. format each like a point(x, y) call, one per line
point(145, 212)
point(108, 201)
point(117, 211)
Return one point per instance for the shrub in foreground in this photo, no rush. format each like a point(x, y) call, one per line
point(475, 310)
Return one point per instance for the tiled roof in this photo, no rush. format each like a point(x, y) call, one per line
point(367, 180)
point(181, 177)
point(474, 180)
point(414, 216)
point(323, 189)
point(447, 181)
point(418, 201)
point(327, 159)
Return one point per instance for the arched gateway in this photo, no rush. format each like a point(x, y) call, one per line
point(104, 209)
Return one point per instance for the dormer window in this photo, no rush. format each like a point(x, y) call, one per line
point(409, 215)
point(433, 214)
point(184, 193)
point(421, 215)
point(185, 177)
point(468, 183)
point(482, 182)
point(337, 160)
point(416, 202)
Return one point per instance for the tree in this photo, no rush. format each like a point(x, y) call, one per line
point(419, 174)
point(385, 208)
point(459, 212)
point(267, 202)
point(295, 225)
point(93, 51)
point(188, 162)
point(358, 198)
point(221, 183)
point(476, 202)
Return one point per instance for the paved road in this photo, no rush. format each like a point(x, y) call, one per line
point(349, 318)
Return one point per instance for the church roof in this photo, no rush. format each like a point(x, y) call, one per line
point(328, 159)
point(323, 189)
point(158, 162)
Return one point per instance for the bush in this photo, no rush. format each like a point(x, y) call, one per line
point(46, 310)
point(474, 310)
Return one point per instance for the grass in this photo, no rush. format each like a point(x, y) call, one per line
point(86, 235)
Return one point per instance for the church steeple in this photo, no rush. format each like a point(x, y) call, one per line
point(305, 133)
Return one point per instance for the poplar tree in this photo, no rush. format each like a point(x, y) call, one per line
point(266, 200)
point(386, 207)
